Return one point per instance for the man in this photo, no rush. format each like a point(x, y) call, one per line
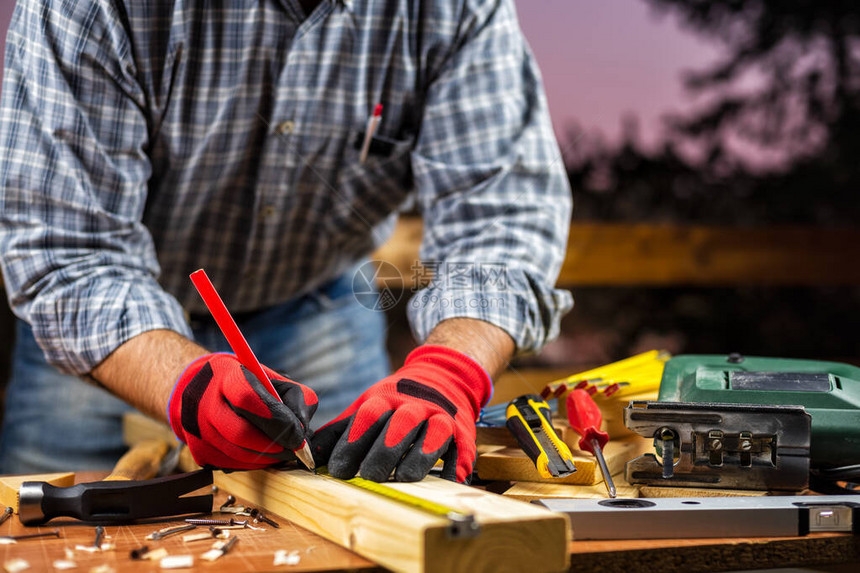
point(141, 141)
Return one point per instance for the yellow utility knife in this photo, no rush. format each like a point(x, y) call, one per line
point(528, 419)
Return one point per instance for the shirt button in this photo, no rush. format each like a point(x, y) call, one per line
point(285, 127)
point(267, 211)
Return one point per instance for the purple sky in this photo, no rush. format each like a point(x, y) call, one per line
point(6, 7)
point(600, 59)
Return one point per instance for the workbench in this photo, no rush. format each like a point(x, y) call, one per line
point(255, 551)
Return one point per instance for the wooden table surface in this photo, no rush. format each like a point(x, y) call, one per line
point(255, 550)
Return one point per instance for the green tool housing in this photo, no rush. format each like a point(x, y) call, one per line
point(829, 391)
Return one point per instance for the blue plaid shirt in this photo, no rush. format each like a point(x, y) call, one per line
point(140, 141)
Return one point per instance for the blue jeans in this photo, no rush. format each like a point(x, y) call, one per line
point(327, 340)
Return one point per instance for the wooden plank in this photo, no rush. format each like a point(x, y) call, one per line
point(668, 491)
point(512, 464)
point(530, 491)
point(9, 485)
point(664, 255)
point(402, 538)
point(514, 535)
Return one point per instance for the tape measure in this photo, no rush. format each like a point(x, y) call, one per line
point(461, 525)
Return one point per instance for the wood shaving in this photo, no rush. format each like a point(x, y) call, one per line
point(94, 549)
point(286, 557)
point(7, 541)
point(63, 564)
point(15, 565)
point(177, 562)
point(212, 555)
point(191, 537)
point(155, 554)
point(103, 569)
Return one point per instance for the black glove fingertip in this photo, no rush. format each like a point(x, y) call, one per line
point(325, 439)
point(347, 457)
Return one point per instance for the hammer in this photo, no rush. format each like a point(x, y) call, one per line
point(125, 495)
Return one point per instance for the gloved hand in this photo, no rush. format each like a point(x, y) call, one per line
point(229, 420)
point(432, 402)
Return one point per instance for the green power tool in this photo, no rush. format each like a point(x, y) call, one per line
point(749, 423)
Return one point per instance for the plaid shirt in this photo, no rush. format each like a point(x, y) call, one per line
point(143, 140)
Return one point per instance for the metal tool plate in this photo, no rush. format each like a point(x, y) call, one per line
point(662, 518)
point(734, 446)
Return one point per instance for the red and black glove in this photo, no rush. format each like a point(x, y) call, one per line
point(230, 421)
point(431, 403)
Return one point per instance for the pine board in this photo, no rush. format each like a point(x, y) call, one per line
point(512, 464)
point(514, 536)
point(669, 491)
point(9, 485)
point(530, 491)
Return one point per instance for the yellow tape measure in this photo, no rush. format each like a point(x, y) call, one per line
point(460, 525)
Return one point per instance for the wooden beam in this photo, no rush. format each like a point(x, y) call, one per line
point(9, 485)
point(604, 254)
point(530, 491)
point(514, 535)
point(512, 464)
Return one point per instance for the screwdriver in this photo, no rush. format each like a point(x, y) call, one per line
point(585, 418)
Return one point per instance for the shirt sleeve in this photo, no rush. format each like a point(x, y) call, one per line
point(78, 263)
point(491, 187)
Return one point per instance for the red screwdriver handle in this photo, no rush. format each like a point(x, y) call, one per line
point(585, 418)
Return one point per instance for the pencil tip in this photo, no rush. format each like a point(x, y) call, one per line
point(305, 456)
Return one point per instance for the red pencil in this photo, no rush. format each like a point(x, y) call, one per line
point(240, 346)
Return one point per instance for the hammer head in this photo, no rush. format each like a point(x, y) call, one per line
point(114, 501)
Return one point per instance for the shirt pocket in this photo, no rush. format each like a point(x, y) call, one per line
point(366, 193)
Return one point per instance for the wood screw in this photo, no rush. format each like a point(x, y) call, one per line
point(230, 521)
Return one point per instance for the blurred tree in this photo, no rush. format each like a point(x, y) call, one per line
point(789, 76)
point(775, 137)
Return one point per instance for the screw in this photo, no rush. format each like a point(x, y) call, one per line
point(214, 489)
point(229, 545)
point(100, 533)
point(230, 521)
point(716, 444)
point(746, 445)
point(259, 516)
point(6, 514)
point(230, 501)
point(139, 552)
point(54, 533)
point(168, 531)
